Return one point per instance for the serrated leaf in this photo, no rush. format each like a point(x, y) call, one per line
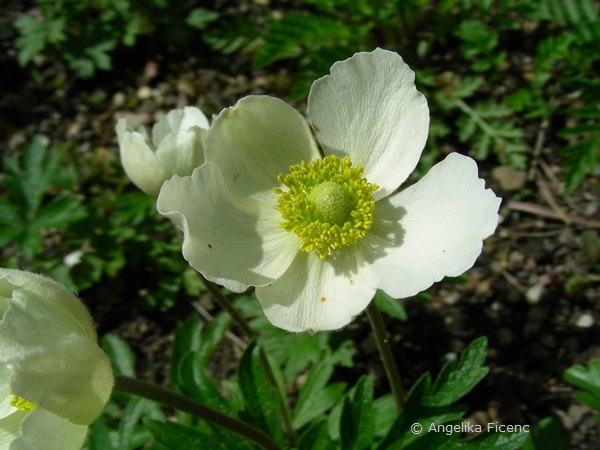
point(454, 381)
point(195, 383)
point(463, 87)
point(286, 37)
point(357, 425)
point(262, 408)
point(59, 212)
point(177, 437)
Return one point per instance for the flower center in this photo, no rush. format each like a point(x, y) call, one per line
point(22, 404)
point(328, 204)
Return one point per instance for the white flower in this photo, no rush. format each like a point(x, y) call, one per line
point(177, 147)
point(54, 378)
point(316, 236)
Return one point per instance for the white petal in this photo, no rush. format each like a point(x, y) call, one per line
point(44, 430)
point(6, 409)
point(230, 239)
point(370, 109)
point(316, 295)
point(176, 120)
point(9, 428)
point(432, 229)
point(51, 292)
point(53, 362)
point(139, 160)
point(256, 140)
point(180, 152)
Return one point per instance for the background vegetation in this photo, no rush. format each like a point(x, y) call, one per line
point(512, 83)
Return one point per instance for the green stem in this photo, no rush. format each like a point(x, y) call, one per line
point(224, 303)
point(385, 352)
point(241, 322)
point(177, 401)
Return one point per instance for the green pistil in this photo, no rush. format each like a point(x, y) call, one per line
point(22, 404)
point(328, 204)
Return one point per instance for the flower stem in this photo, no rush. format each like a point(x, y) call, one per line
point(385, 352)
point(177, 401)
point(224, 303)
point(241, 322)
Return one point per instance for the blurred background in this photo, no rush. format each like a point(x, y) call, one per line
point(511, 83)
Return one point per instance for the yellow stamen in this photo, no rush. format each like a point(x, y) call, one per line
point(328, 204)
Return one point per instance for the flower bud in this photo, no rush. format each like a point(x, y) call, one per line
point(176, 147)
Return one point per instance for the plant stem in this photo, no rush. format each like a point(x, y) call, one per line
point(241, 322)
point(177, 401)
point(224, 303)
point(385, 352)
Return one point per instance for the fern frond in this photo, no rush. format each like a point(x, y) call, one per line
point(288, 36)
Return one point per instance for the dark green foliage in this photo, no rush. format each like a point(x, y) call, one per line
point(482, 41)
point(39, 197)
point(433, 404)
point(83, 34)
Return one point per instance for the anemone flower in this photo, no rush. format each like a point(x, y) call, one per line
point(54, 378)
point(318, 224)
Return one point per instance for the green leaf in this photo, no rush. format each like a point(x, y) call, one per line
point(187, 339)
point(11, 224)
point(36, 35)
point(316, 437)
point(278, 342)
point(588, 379)
point(357, 425)
point(59, 212)
point(385, 414)
point(428, 404)
point(262, 408)
point(549, 434)
point(30, 242)
point(200, 17)
point(135, 409)
point(120, 355)
point(99, 436)
point(212, 336)
point(195, 383)
point(455, 381)
point(489, 441)
point(392, 307)
point(177, 437)
point(316, 397)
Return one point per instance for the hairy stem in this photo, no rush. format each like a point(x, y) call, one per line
point(169, 398)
